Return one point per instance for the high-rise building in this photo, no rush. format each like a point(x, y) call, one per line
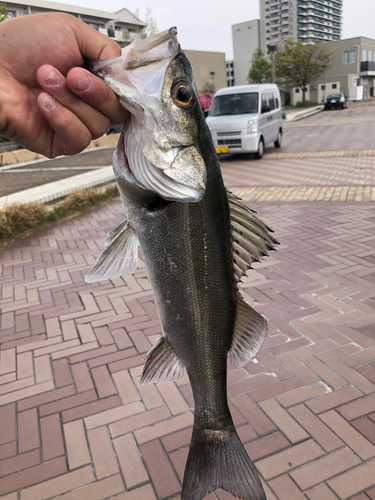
point(307, 21)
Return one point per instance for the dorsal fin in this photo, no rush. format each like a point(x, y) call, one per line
point(250, 237)
point(249, 334)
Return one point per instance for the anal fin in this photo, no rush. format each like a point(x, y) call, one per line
point(249, 334)
point(162, 364)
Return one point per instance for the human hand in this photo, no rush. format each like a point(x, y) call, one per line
point(48, 102)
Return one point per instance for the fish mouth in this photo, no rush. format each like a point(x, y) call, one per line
point(142, 52)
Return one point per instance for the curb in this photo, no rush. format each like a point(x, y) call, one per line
point(299, 115)
point(54, 191)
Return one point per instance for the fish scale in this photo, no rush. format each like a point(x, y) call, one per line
point(197, 241)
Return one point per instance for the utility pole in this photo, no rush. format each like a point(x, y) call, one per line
point(271, 49)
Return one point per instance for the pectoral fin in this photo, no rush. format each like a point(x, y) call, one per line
point(249, 334)
point(119, 258)
point(162, 364)
point(115, 232)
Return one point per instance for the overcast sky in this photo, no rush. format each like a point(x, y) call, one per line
point(206, 25)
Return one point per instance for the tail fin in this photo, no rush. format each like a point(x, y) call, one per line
point(217, 459)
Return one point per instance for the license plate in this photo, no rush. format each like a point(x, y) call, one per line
point(333, 100)
point(222, 149)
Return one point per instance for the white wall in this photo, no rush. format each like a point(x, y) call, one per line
point(246, 40)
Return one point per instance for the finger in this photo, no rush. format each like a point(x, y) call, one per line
point(71, 135)
point(97, 93)
point(53, 82)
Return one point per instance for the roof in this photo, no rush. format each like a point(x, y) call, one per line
point(123, 15)
point(241, 89)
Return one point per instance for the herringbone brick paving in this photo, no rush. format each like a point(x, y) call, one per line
point(75, 425)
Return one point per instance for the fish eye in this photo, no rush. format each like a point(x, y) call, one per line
point(183, 95)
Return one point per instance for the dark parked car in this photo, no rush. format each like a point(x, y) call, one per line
point(336, 101)
point(114, 129)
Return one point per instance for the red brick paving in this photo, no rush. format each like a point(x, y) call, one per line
point(75, 425)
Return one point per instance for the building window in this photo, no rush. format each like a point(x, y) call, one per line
point(349, 57)
point(334, 85)
point(364, 55)
point(323, 87)
point(297, 91)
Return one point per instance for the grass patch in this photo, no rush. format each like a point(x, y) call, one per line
point(22, 219)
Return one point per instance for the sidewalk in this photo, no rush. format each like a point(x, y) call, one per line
point(77, 426)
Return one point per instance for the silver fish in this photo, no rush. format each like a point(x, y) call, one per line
point(197, 241)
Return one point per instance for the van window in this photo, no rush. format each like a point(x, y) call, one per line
point(235, 104)
point(270, 100)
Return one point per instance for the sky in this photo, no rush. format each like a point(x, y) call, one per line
point(206, 25)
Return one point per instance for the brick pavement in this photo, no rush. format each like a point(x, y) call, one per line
point(75, 425)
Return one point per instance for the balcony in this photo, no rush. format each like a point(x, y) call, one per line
point(367, 68)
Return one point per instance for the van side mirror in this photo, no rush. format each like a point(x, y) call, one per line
point(266, 108)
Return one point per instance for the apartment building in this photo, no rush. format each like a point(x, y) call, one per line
point(307, 21)
point(230, 73)
point(353, 65)
point(122, 26)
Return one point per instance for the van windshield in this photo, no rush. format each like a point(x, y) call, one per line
point(235, 104)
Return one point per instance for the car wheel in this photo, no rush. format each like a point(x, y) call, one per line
point(325, 108)
point(279, 140)
point(260, 152)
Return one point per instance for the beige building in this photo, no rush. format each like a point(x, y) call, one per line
point(122, 26)
point(209, 69)
point(354, 65)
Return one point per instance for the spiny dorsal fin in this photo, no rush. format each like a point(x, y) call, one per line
point(250, 237)
point(162, 364)
point(119, 258)
point(249, 334)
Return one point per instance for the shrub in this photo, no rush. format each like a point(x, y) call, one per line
point(21, 219)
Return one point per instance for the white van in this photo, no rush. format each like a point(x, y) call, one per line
point(246, 119)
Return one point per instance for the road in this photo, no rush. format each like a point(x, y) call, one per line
point(332, 138)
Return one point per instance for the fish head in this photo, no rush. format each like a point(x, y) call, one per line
point(159, 146)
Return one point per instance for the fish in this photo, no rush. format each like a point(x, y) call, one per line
point(197, 240)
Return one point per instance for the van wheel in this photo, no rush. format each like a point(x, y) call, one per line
point(260, 152)
point(279, 140)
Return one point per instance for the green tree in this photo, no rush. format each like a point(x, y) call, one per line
point(298, 64)
point(260, 69)
point(3, 12)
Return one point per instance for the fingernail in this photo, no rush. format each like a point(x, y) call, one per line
point(54, 78)
point(84, 83)
point(49, 102)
